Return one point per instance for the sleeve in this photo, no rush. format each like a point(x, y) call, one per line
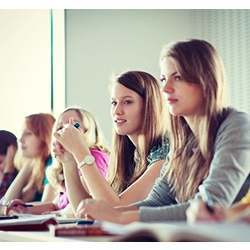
point(101, 160)
point(160, 195)
point(230, 166)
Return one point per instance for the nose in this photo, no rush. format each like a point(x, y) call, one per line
point(21, 139)
point(118, 110)
point(168, 87)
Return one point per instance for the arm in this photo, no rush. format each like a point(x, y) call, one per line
point(98, 187)
point(73, 183)
point(49, 193)
point(228, 171)
point(15, 189)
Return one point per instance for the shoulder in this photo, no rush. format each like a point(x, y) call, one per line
point(159, 151)
point(236, 124)
point(100, 156)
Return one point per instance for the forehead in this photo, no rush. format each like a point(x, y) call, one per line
point(168, 66)
point(64, 118)
point(119, 91)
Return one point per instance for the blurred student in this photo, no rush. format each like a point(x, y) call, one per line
point(210, 143)
point(8, 148)
point(35, 145)
point(55, 189)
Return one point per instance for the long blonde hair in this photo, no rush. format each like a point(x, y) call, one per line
point(126, 166)
point(197, 62)
point(93, 135)
point(41, 125)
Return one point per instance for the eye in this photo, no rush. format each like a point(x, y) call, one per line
point(59, 128)
point(113, 103)
point(162, 79)
point(177, 78)
point(128, 101)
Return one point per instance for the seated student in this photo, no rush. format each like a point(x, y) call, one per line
point(35, 145)
point(8, 148)
point(55, 188)
point(140, 145)
point(210, 143)
point(198, 211)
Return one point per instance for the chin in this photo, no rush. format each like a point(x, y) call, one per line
point(119, 132)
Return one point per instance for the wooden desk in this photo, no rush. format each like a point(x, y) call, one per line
point(19, 236)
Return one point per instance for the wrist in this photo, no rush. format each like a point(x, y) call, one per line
point(80, 154)
point(128, 217)
point(70, 163)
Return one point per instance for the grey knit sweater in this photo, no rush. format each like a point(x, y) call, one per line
point(229, 170)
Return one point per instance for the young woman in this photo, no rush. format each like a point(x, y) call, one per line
point(35, 145)
point(210, 144)
point(8, 148)
point(139, 147)
point(55, 189)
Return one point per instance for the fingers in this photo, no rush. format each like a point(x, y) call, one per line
point(71, 121)
point(16, 206)
point(84, 208)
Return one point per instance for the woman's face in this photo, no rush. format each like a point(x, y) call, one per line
point(63, 121)
point(2, 158)
point(183, 98)
point(30, 143)
point(67, 116)
point(126, 110)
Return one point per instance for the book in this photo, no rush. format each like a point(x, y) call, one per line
point(78, 230)
point(28, 222)
point(179, 231)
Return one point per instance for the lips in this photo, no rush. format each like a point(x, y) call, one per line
point(172, 100)
point(120, 121)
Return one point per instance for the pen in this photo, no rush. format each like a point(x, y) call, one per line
point(85, 222)
point(77, 125)
point(28, 205)
point(24, 205)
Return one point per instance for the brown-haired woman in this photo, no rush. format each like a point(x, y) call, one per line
point(140, 144)
point(210, 142)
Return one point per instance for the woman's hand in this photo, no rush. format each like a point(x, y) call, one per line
point(98, 210)
point(16, 206)
point(61, 154)
point(198, 211)
point(71, 138)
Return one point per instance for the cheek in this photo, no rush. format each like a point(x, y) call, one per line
point(35, 146)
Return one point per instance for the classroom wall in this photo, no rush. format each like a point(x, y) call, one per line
point(25, 66)
point(102, 42)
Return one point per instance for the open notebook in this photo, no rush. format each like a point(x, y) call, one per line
point(27, 222)
point(180, 231)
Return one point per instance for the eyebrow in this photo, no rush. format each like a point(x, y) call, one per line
point(122, 97)
point(163, 77)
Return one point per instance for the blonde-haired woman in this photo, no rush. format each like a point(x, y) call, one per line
point(140, 145)
point(210, 143)
point(55, 192)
